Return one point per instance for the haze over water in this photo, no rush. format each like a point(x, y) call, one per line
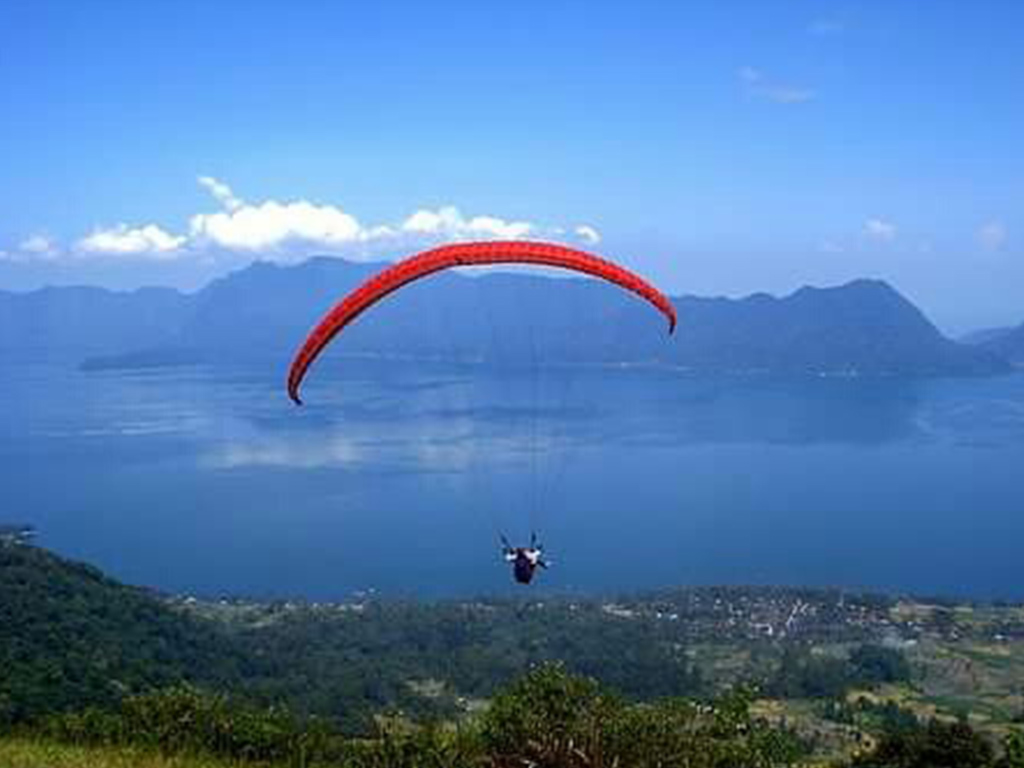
point(398, 476)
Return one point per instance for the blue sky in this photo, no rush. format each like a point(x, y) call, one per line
point(717, 147)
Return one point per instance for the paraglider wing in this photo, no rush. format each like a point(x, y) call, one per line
point(461, 255)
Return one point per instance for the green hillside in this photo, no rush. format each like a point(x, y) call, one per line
point(87, 661)
point(71, 637)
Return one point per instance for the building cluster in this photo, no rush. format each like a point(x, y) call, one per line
point(11, 535)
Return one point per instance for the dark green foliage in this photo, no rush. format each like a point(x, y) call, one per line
point(876, 717)
point(802, 674)
point(1013, 751)
point(549, 718)
point(70, 638)
point(936, 745)
point(425, 747)
point(351, 664)
point(555, 719)
point(185, 720)
point(805, 675)
point(873, 664)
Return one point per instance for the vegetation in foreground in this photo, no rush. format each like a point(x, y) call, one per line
point(835, 678)
point(549, 717)
point(36, 752)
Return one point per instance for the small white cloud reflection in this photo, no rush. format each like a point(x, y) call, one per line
point(288, 453)
point(992, 422)
point(432, 425)
point(453, 445)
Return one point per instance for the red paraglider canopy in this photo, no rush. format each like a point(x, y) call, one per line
point(461, 255)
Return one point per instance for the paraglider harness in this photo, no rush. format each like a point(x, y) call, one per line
point(524, 559)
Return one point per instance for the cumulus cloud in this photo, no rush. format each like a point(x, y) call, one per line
point(271, 225)
point(221, 192)
point(38, 247)
point(122, 240)
point(877, 229)
point(758, 85)
point(39, 244)
point(274, 226)
point(283, 230)
point(448, 221)
point(992, 235)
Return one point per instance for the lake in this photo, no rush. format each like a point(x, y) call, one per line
point(397, 477)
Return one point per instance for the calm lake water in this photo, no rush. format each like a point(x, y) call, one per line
point(397, 477)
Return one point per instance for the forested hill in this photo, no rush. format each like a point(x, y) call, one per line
point(836, 665)
point(262, 312)
point(71, 637)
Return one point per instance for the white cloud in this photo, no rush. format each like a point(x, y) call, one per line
point(877, 229)
point(449, 222)
point(588, 234)
point(38, 247)
point(122, 240)
point(760, 86)
point(272, 225)
point(291, 229)
point(992, 235)
point(222, 192)
point(831, 246)
point(39, 244)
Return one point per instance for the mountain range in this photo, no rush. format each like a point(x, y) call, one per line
point(1007, 343)
point(262, 312)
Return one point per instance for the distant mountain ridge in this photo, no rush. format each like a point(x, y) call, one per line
point(263, 311)
point(1008, 344)
point(983, 335)
point(81, 321)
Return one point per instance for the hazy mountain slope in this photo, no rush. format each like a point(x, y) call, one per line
point(983, 335)
point(1009, 345)
point(862, 327)
point(263, 312)
point(75, 322)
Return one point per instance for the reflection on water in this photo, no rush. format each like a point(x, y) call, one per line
point(398, 476)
